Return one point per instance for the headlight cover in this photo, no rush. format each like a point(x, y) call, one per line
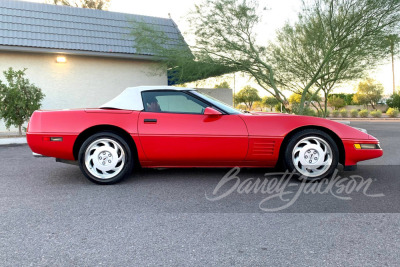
point(367, 146)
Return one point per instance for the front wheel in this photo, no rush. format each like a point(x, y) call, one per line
point(312, 153)
point(105, 158)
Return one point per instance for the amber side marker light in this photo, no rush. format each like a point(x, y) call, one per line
point(367, 146)
point(53, 139)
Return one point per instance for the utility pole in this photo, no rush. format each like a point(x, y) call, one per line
point(392, 51)
point(234, 88)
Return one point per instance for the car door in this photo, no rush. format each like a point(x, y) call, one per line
point(175, 132)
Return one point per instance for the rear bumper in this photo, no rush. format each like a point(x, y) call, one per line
point(36, 155)
point(42, 146)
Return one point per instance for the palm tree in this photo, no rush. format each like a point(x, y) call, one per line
point(392, 40)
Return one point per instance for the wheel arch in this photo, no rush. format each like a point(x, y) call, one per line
point(335, 137)
point(105, 128)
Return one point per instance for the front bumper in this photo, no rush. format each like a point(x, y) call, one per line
point(354, 155)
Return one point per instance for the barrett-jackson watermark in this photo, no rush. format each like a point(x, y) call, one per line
point(285, 189)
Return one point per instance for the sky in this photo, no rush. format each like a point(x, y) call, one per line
point(277, 13)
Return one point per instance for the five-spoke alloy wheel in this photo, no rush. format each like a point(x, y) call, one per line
point(105, 158)
point(312, 153)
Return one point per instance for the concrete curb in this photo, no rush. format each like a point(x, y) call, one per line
point(367, 119)
point(13, 141)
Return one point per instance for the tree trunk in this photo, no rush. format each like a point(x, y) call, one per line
point(20, 130)
point(326, 105)
point(372, 105)
point(301, 105)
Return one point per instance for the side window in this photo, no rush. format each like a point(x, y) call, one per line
point(172, 102)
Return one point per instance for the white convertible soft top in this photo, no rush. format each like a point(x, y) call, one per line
point(131, 98)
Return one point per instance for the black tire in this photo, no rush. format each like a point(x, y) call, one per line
point(120, 146)
point(318, 135)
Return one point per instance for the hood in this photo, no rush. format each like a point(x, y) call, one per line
point(279, 124)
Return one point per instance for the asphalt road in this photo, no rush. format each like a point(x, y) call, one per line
point(50, 215)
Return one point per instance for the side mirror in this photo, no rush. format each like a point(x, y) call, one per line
point(211, 112)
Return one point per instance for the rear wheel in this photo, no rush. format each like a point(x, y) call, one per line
point(312, 153)
point(105, 158)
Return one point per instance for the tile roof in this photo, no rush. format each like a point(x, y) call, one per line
point(33, 26)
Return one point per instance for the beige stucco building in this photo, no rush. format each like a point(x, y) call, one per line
point(82, 81)
point(100, 56)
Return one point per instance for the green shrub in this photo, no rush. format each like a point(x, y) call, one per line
point(310, 112)
point(306, 111)
point(19, 98)
point(344, 113)
point(320, 113)
point(354, 113)
point(348, 98)
point(336, 102)
point(335, 113)
point(392, 112)
point(376, 113)
point(328, 113)
point(394, 101)
point(363, 113)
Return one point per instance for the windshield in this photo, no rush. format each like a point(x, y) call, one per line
point(217, 103)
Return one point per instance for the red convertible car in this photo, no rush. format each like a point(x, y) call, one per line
point(173, 127)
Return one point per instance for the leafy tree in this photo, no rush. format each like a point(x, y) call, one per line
point(333, 41)
point(394, 101)
point(224, 40)
point(336, 102)
point(92, 4)
point(258, 105)
point(368, 92)
point(295, 98)
point(224, 84)
point(248, 95)
point(18, 98)
point(270, 101)
point(241, 107)
point(225, 34)
point(183, 64)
